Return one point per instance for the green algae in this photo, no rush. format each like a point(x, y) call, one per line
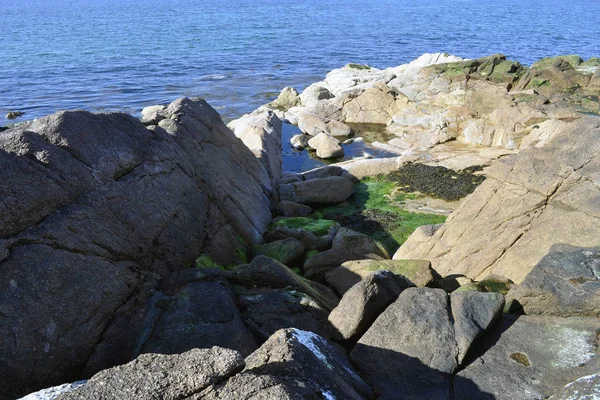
point(375, 209)
point(358, 66)
point(205, 261)
point(319, 227)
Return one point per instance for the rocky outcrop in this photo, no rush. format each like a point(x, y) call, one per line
point(95, 209)
point(351, 272)
point(294, 364)
point(531, 358)
point(261, 133)
point(586, 387)
point(553, 196)
point(157, 376)
point(564, 283)
point(410, 349)
point(362, 304)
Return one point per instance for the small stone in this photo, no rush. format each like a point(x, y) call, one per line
point(326, 146)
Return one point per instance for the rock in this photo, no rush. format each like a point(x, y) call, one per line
point(338, 128)
point(323, 172)
point(312, 94)
point(53, 392)
point(312, 124)
point(531, 357)
point(410, 348)
point(261, 133)
point(287, 99)
point(362, 304)
point(492, 283)
point(152, 115)
point(291, 209)
point(317, 266)
point(299, 142)
point(158, 376)
point(268, 311)
point(294, 364)
point(473, 314)
point(313, 233)
point(564, 283)
point(95, 210)
point(286, 251)
point(550, 189)
point(326, 146)
point(199, 315)
point(350, 242)
point(351, 272)
point(586, 387)
point(331, 190)
point(264, 272)
point(14, 114)
point(365, 167)
point(375, 105)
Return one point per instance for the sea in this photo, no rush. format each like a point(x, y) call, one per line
point(123, 55)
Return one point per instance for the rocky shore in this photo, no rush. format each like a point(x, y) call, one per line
point(171, 257)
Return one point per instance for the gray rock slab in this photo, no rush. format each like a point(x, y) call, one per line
point(264, 272)
point(566, 282)
point(410, 351)
point(291, 209)
point(584, 388)
point(200, 315)
point(162, 377)
point(531, 357)
point(294, 364)
point(330, 190)
point(267, 311)
point(361, 305)
point(473, 313)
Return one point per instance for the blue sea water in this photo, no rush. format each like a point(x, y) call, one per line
point(124, 55)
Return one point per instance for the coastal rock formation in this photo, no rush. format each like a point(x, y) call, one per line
point(565, 283)
point(531, 358)
point(261, 133)
point(95, 210)
point(553, 195)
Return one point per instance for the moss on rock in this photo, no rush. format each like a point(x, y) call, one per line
point(319, 227)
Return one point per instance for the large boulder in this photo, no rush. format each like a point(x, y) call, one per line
point(199, 315)
point(564, 283)
point(286, 251)
point(530, 357)
point(326, 146)
point(261, 133)
point(473, 313)
point(95, 209)
point(362, 304)
point(157, 376)
point(264, 272)
point(553, 196)
point(294, 364)
point(376, 105)
point(358, 244)
point(320, 191)
point(410, 348)
point(312, 233)
point(351, 272)
point(269, 310)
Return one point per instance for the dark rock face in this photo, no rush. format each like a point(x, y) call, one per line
point(264, 272)
point(267, 311)
point(94, 209)
point(157, 376)
point(294, 364)
point(362, 304)
point(200, 315)
point(473, 313)
point(410, 349)
point(564, 283)
point(531, 357)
